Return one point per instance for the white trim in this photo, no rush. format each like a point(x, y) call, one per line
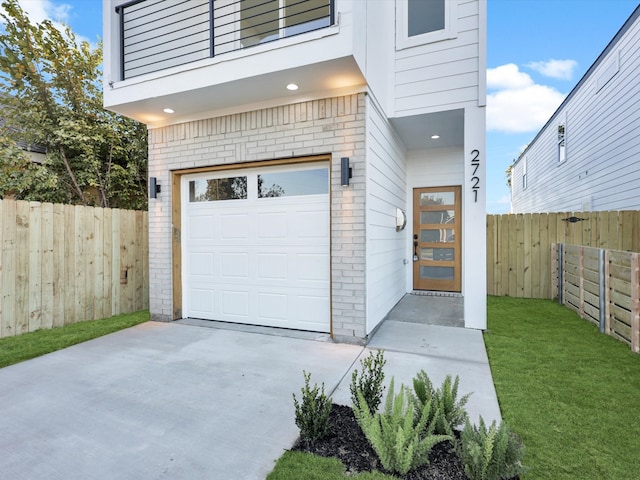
point(449, 31)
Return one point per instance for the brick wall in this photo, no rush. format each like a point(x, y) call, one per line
point(333, 126)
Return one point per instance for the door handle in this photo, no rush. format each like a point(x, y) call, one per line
point(415, 247)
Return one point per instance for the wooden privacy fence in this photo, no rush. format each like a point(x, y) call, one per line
point(60, 264)
point(519, 246)
point(602, 286)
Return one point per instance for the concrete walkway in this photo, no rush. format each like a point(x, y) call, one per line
point(170, 401)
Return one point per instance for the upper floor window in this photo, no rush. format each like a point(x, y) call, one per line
point(424, 21)
point(524, 173)
point(156, 35)
point(562, 143)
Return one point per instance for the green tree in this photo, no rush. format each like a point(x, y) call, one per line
point(51, 95)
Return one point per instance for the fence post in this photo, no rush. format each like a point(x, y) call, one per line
point(635, 306)
point(602, 303)
point(553, 275)
point(560, 274)
point(607, 292)
point(581, 281)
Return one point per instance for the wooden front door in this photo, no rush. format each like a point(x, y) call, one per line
point(437, 243)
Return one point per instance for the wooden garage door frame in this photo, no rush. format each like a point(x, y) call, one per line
point(176, 220)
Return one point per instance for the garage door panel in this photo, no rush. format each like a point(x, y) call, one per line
point(201, 300)
point(312, 267)
point(272, 225)
point(273, 307)
point(258, 260)
point(203, 228)
point(234, 226)
point(312, 224)
point(235, 304)
point(201, 263)
point(234, 265)
point(273, 266)
point(312, 309)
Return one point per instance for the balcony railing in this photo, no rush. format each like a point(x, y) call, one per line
point(160, 34)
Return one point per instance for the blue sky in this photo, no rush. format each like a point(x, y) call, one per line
point(537, 51)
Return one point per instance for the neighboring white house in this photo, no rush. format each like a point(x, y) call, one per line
point(587, 156)
point(290, 138)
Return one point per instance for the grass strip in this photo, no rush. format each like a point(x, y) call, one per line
point(303, 465)
point(30, 345)
point(570, 392)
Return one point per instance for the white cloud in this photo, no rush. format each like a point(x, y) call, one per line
point(58, 12)
point(39, 10)
point(518, 104)
point(559, 69)
point(507, 76)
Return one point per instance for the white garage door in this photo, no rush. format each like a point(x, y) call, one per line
point(256, 246)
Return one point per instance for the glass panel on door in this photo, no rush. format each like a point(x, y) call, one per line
point(436, 237)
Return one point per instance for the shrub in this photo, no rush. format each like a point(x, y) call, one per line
point(445, 399)
point(401, 442)
point(312, 413)
point(490, 454)
point(370, 382)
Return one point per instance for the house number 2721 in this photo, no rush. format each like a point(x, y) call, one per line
point(475, 180)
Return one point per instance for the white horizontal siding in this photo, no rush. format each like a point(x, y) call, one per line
point(441, 75)
point(438, 167)
point(602, 170)
point(386, 191)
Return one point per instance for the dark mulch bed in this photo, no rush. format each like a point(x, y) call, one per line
point(347, 443)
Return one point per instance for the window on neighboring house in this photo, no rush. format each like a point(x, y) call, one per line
point(424, 21)
point(524, 173)
point(562, 143)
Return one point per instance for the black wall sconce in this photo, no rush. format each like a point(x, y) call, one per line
point(346, 172)
point(154, 188)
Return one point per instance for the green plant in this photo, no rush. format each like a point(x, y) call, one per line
point(491, 454)
point(312, 413)
point(401, 442)
point(370, 382)
point(445, 399)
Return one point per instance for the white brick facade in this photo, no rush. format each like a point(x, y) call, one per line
point(334, 126)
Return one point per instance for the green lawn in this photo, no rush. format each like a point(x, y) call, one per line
point(571, 393)
point(30, 345)
point(301, 465)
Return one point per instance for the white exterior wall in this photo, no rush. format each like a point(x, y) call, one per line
point(437, 167)
point(450, 167)
point(474, 219)
point(447, 74)
point(335, 126)
point(601, 170)
point(372, 21)
point(386, 191)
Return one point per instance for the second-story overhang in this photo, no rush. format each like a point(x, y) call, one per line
point(321, 64)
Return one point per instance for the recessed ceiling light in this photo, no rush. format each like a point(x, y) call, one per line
point(168, 110)
point(435, 137)
point(292, 86)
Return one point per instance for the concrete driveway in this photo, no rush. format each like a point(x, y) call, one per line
point(169, 401)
